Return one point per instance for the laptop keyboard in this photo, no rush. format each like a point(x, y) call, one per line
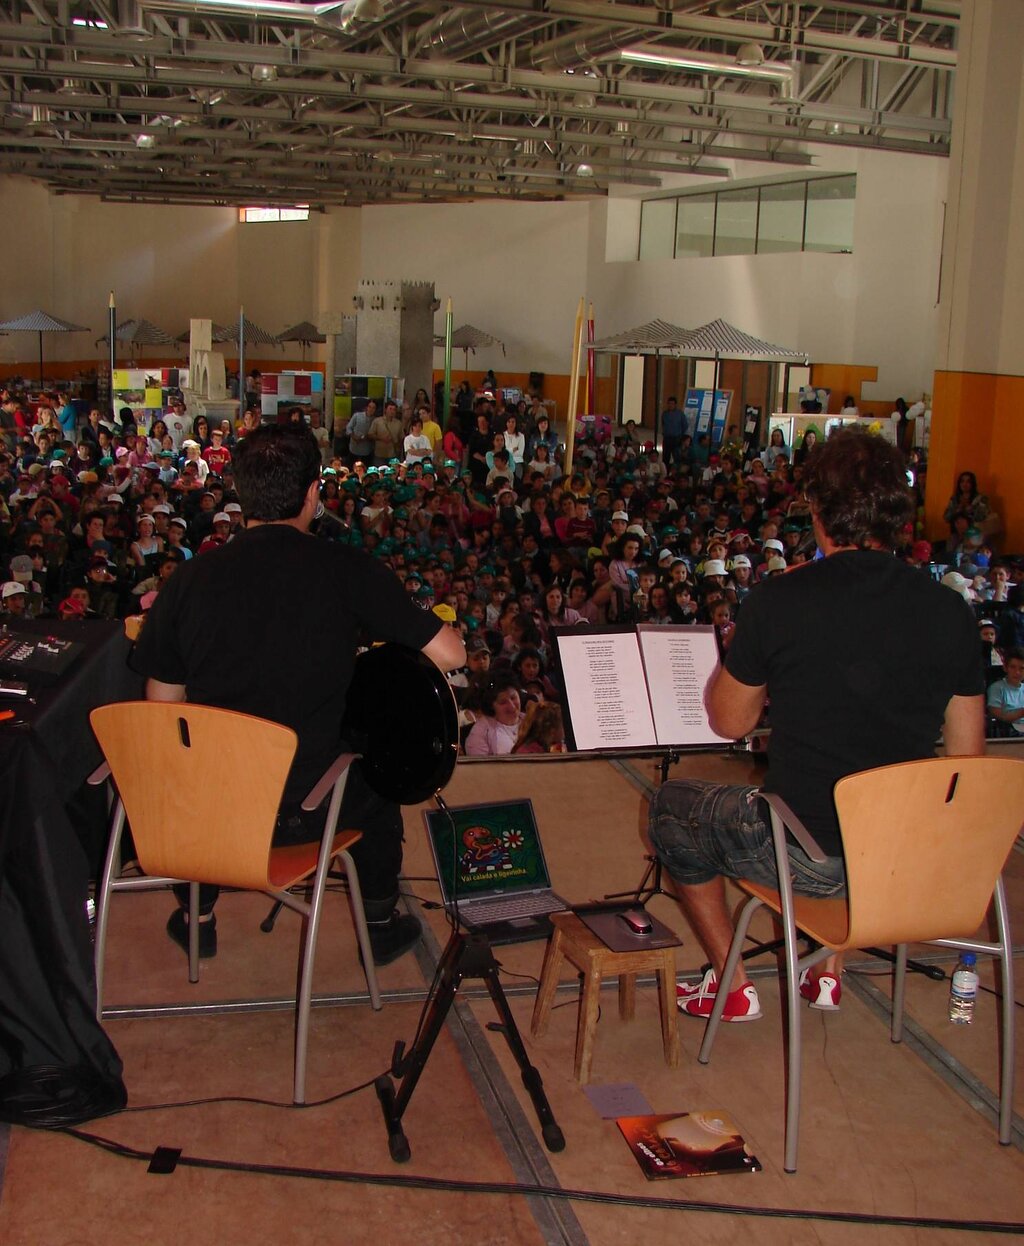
point(516, 906)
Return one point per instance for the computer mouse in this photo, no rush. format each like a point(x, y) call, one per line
point(637, 921)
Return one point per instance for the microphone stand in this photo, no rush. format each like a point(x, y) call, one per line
point(468, 954)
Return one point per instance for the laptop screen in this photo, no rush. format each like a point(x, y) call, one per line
point(495, 850)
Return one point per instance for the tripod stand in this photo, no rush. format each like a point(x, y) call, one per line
point(467, 955)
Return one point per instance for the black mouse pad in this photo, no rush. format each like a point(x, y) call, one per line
point(615, 934)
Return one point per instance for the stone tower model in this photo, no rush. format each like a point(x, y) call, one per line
point(395, 331)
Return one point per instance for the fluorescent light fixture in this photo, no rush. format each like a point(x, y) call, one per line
point(263, 73)
point(145, 141)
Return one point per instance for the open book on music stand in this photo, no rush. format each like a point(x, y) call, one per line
point(637, 687)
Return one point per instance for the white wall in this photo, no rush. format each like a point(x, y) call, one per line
point(515, 270)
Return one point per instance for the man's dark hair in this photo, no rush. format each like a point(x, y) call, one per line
point(274, 467)
point(857, 483)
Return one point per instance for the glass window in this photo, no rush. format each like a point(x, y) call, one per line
point(780, 226)
point(830, 214)
point(657, 226)
point(736, 227)
point(273, 214)
point(695, 226)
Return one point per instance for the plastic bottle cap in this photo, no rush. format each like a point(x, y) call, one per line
point(969, 958)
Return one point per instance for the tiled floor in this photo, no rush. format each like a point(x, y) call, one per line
point(882, 1133)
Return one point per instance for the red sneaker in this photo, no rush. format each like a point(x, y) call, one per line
point(698, 1000)
point(823, 992)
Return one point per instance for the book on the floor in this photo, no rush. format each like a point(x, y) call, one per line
point(690, 1144)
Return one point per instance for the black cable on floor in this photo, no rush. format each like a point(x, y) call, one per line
point(159, 1162)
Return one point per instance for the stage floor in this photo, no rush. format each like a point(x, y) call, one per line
point(886, 1130)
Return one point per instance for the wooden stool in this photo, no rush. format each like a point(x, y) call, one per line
point(573, 941)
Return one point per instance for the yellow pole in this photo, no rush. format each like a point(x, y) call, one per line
point(574, 387)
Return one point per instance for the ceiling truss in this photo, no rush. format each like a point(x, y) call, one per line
point(363, 101)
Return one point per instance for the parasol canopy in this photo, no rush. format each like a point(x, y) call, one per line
point(41, 322)
point(139, 333)
point(218, 333)
point(468, 337)
point(305, 333)
point(251, 334)
point(646, 339)
point(723, 340)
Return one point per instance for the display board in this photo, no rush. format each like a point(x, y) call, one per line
point(147, 391)
point(289, 389)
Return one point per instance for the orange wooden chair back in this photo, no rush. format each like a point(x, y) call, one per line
point(201, 787)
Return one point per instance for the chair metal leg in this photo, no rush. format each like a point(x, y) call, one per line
point(103, 895)
point(303, 1000)
point(355, 895)
point(899, 991)
point(1009, 1008)
point(193, 932)
point(731, 961)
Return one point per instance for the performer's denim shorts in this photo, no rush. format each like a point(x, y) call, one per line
point(702, 830)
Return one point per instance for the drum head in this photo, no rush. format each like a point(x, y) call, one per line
point(401, 715)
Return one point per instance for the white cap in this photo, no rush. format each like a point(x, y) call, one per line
point(620, 515)
point(774, 543)
point(665, 556)
point(952, 579)
point(162, 508)
point(189, 442)
point(636, 529)
point(714, 566)
point(12, 587)
point(222, 517)
point(777, 564)
point(233, 506)
point(741, 560)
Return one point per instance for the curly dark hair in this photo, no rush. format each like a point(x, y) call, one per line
point(857, 484)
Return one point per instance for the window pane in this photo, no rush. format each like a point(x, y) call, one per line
point(830, 214)
point(737, 222)
point(657, 225)
point(695, 226)
point(780, 226)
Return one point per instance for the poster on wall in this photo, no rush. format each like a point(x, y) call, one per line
point(148, 392)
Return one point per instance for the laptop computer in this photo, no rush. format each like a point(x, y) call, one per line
point(491, 868)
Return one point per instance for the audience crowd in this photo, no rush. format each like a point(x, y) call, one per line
point(479, 521)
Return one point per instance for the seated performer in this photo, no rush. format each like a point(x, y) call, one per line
point(863, 659)
point(214, 637)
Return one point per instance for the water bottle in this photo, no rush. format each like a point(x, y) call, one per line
point(963, 990)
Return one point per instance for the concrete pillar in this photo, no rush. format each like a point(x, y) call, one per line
point(978, 397)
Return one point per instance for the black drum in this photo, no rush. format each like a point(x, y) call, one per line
point(401, 715)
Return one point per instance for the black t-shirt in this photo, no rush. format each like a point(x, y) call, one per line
point(268, 625)
point(860, 654)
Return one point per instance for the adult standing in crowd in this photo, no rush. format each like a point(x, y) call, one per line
point(842, 700)
point(211, 601)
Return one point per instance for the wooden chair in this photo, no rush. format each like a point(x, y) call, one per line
point(924, 843)
point(164, 758)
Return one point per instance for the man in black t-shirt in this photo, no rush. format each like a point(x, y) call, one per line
point(864, 660)
point(267, 625)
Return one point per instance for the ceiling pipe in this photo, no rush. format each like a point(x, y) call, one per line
point(329, 14)
point(781, 75)
point(461, 31)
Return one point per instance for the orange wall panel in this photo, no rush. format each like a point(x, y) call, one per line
point(977, 426)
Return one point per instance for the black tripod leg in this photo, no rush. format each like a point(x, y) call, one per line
point(267, 924)
point(409, 1066)
point(553, 1137)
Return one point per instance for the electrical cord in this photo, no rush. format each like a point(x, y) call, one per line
point(266, 1103)
point(164, 1160)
